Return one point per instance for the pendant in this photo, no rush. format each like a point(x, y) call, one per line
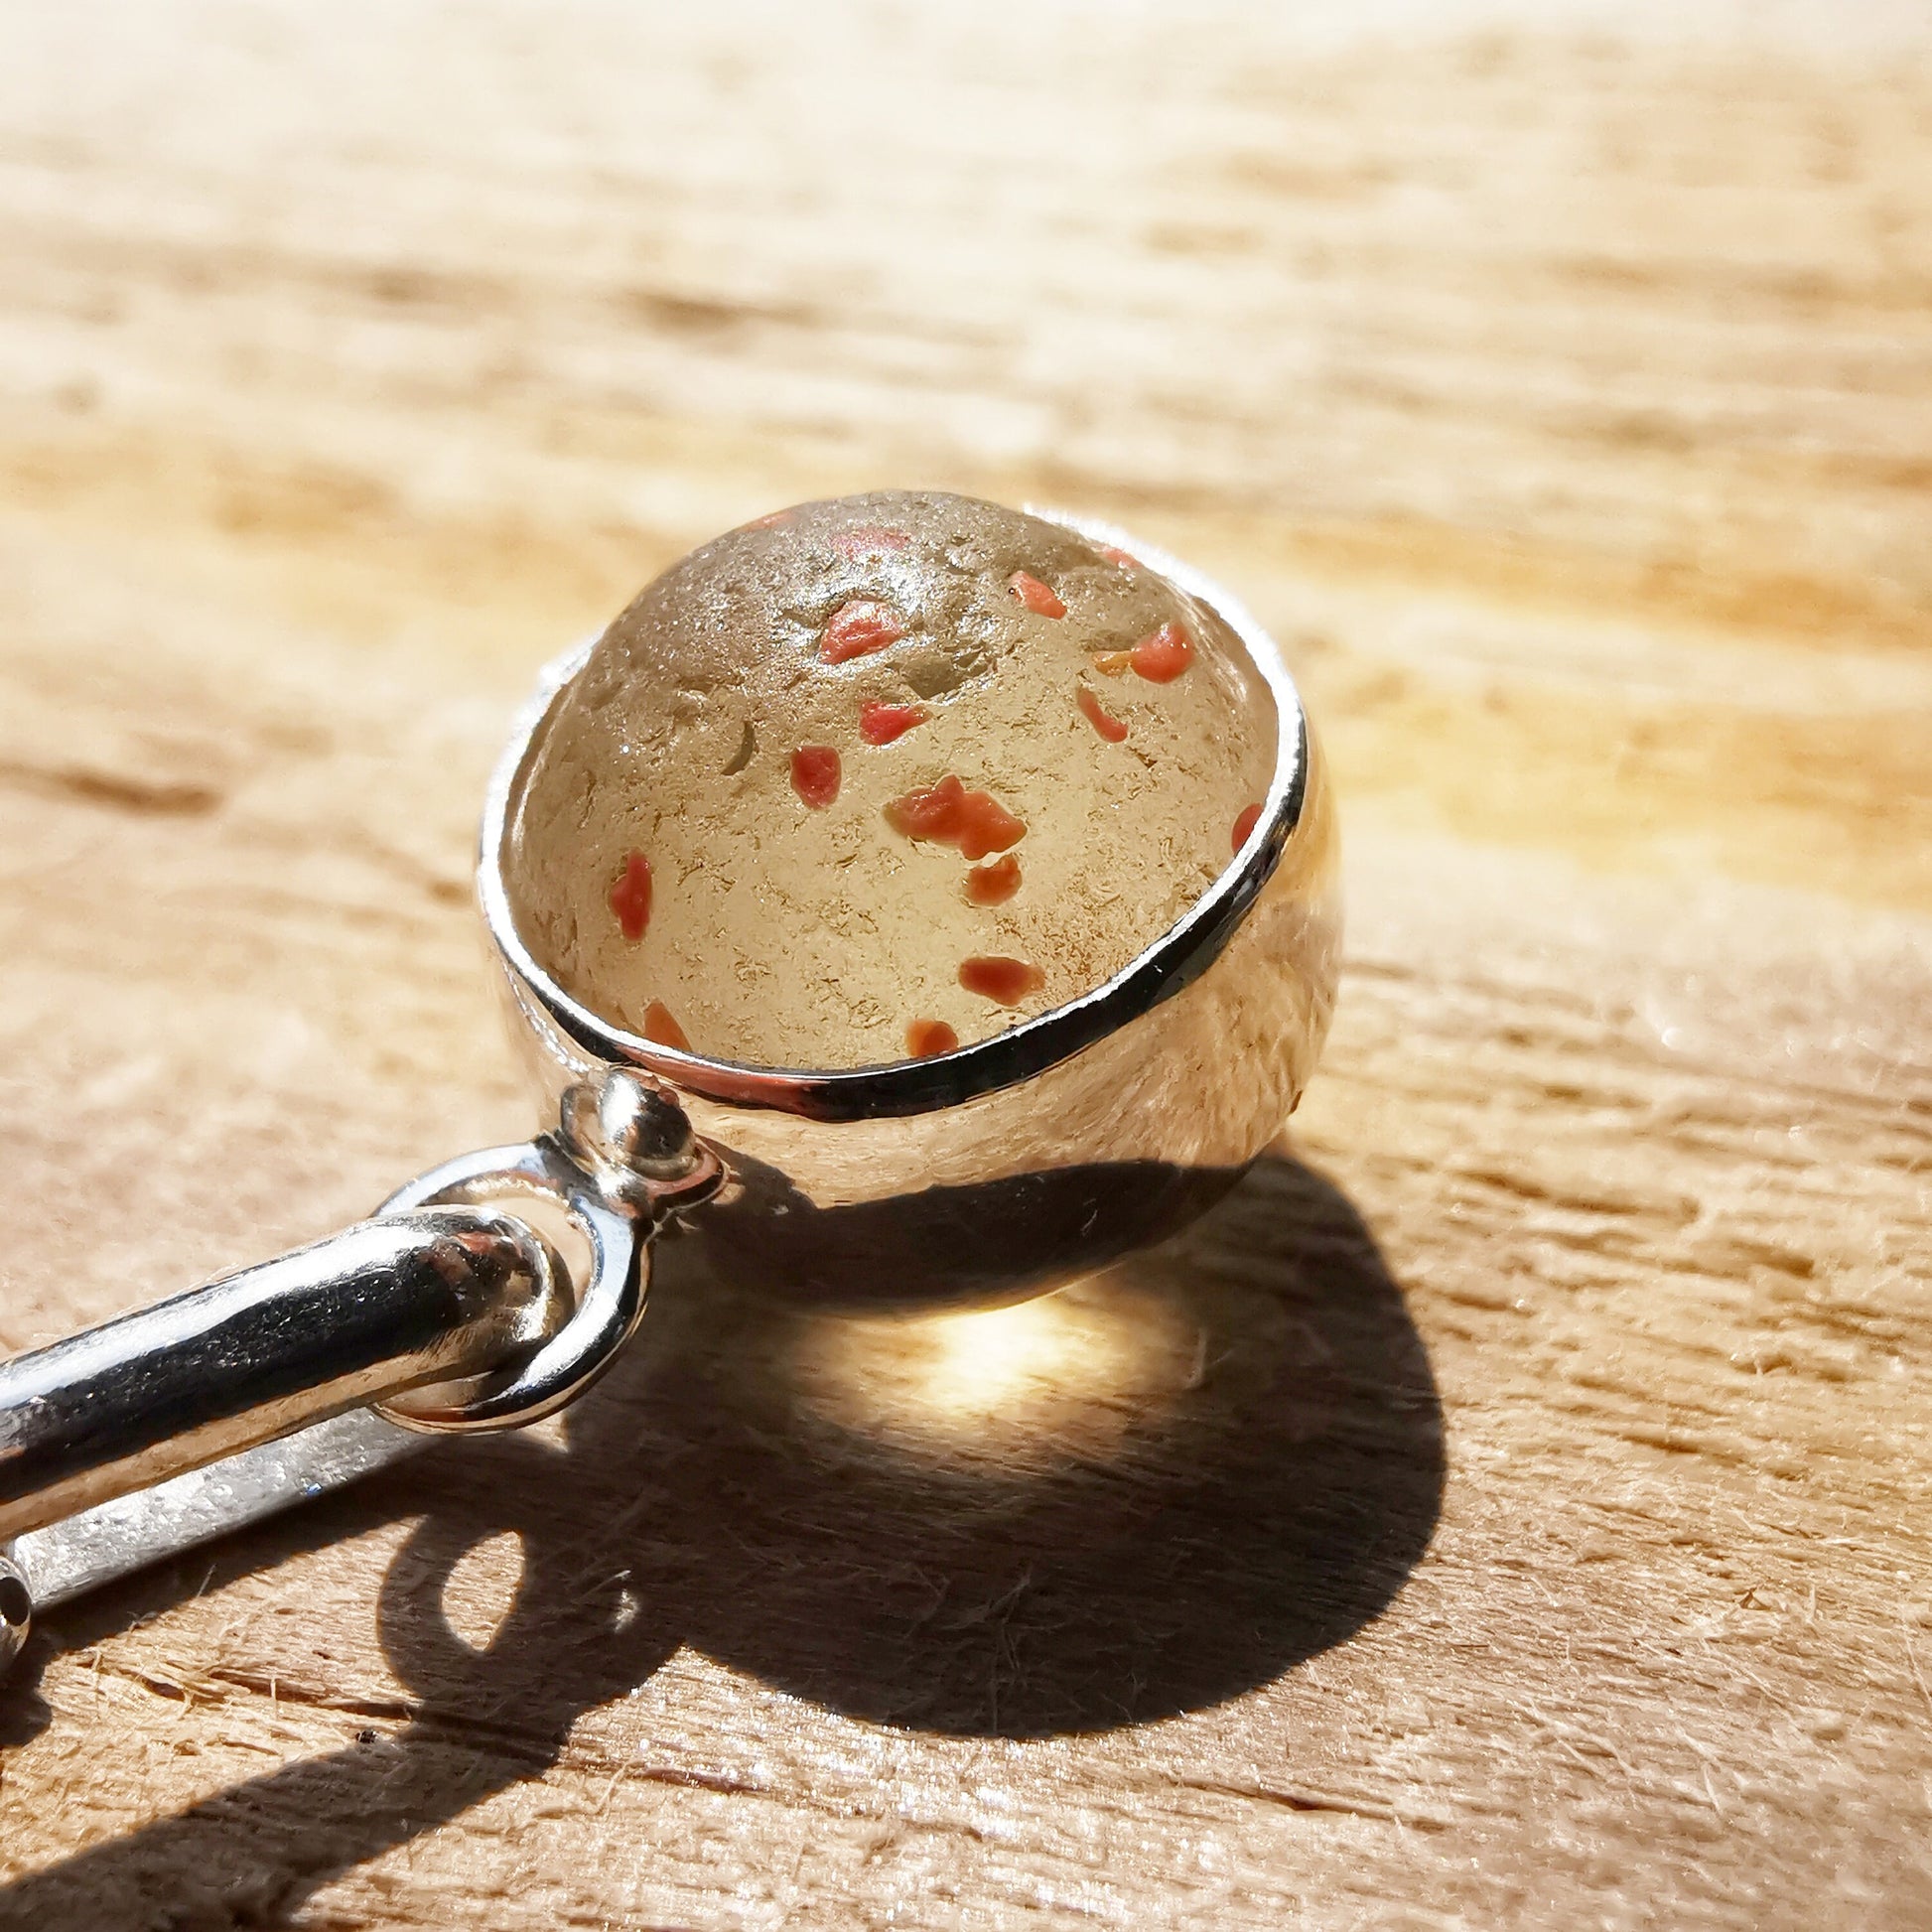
point(918, 903)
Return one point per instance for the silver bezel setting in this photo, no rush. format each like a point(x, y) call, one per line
point(901, 1089)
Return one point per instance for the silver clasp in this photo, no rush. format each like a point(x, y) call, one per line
point(447, 1313)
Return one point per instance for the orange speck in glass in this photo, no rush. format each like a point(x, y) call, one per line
point(994, 884)
point(948, 814)
point(867, 540)
point(1101, 718)
point(661, 1025)
point(859, 627)
point(1034, 595)
point(993, 977)
point(815, 774)
point(1124, 559)
point(630, 897)
point(1163, 658)
point(1246, 823)
point(925, 1037)
point(1111, 663)
point(880, 724)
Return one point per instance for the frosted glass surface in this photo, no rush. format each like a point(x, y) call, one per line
point(868, 776)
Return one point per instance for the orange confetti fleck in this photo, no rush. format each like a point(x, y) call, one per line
point(1250, 818)
point(880, 724)
point(994, 977)
point(1163, 658)
point(1034, 595)
point(994, 884)
point(859, 627)
point(948, 814)
point(661, 1025)
point(867, 540)
point(630, 897)
point(925, 1037)
point(1101, 718)
point(1111, 663)
point(1121, 557)
point(815, 774)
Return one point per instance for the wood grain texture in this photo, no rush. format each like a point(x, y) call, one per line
point(1512, 1507)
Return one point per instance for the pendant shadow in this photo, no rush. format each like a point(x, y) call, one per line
point(1152, 1492)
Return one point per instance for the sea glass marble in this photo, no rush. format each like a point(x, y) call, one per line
point(873, 779)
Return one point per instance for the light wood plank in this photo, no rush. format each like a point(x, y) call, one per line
point(1515, 1513)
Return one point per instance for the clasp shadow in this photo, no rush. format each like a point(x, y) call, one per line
point(1157, 1491)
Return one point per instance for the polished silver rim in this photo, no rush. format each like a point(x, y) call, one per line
point(905, 1087)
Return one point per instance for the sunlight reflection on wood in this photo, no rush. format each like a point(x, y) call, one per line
point(1081, 1367)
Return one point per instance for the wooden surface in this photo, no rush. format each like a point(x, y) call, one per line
point(1511, 1509)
